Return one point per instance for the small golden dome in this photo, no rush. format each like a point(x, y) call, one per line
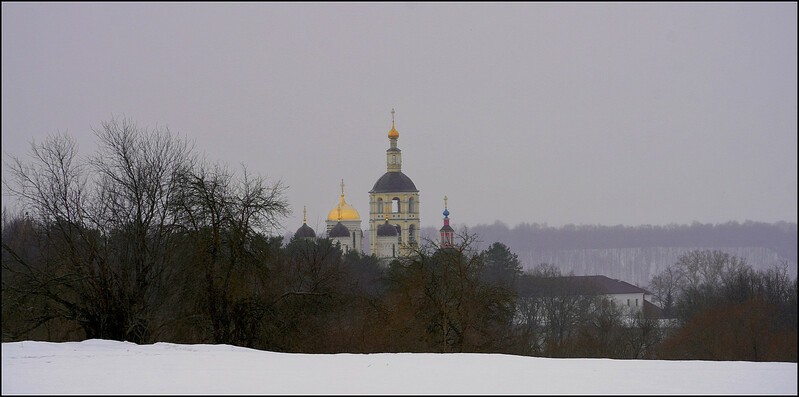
point(343, 211)
point(348, 213)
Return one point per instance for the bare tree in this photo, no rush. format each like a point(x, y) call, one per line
point(137, 179)
point(114, 234)
point(556, 309)
point(726, 310)
point(53, 184)
point(65, 277)
point(439, 301)
point(223, 219)
point(103, 249)
point(665, 287)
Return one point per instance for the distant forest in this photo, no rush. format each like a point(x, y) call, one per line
point(636, 253)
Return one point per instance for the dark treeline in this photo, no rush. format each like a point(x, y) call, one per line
point(144, 241)
point(637, 253)
point(231, 286)
point(725, 310)
point(780, 237)
point(306, 295)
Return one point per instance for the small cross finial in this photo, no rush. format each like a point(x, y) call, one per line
point(445, 202)
point(303, 214)
point(392, 117)
point(342, 187)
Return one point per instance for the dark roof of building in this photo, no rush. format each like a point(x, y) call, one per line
point(387, 229)
point(304, 231)
point(394, 181)
point(606, 285)
point(446, 228)
point(652, 311)
point(581, 285)
point(339, 231)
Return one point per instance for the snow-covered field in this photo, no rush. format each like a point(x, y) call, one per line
point(109, 367)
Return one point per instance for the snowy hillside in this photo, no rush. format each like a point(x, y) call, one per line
point(109, 367)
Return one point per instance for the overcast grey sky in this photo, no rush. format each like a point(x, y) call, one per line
point(588, 113)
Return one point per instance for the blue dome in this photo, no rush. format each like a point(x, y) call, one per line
point(446, 212)
point(339, 231)
point(386, 230)
point(305, 231)
point(392, 182)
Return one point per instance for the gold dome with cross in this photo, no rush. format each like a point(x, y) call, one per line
point(343, 211)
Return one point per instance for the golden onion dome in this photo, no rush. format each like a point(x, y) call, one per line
point(393, 134)
point(347, 213)
point(343, 211)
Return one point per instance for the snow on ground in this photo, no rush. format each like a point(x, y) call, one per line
point(109, 367)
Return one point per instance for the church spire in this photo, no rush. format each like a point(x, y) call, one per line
point(393, 154)
point(393, 134)
point(447, 232)
point(341, 204)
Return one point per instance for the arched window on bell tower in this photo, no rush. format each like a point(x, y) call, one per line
point(395, 205)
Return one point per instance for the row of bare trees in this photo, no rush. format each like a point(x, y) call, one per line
point(560, 318)
point(106, 238)
point(308, 296)
point(725, 310)
point(715, 307)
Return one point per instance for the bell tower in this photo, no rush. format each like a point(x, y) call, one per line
point(394, 199)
